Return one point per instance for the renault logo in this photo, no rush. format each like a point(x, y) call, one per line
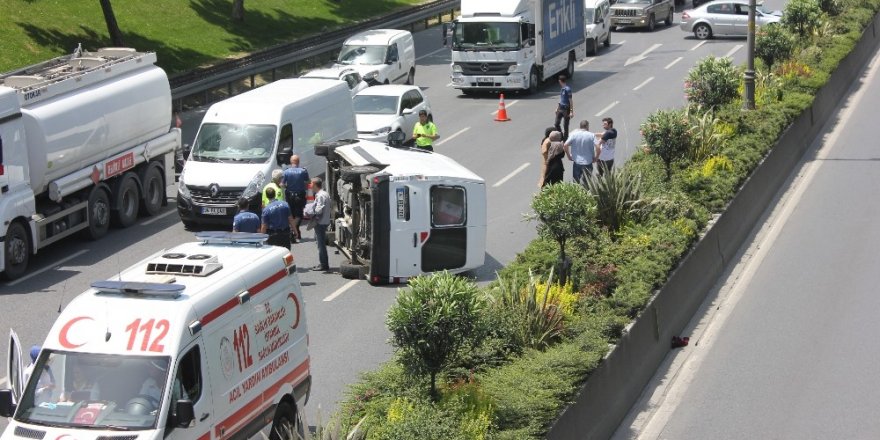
point(484, 67)
point(214, 189)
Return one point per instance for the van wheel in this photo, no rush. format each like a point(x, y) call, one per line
point(533, 81)
point(607, 42)
point(592, 47)
point(154, 191)
point(353, 174)
point(126, 200)
point(16, 251)
point(669, 18)
point(411, 78)
point(352, 271)
point(99, 212)
point(287, 424)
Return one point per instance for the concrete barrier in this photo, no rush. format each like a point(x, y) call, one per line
point(616, 384)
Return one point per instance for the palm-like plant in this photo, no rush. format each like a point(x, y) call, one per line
point(540, 320)
point(706, 137)
point(619, 199)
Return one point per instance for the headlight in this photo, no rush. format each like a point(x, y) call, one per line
point(456, 68)
point(511, 69)
point(182, 189)
point(372, 75)
point(254, 187)
point(382, 131)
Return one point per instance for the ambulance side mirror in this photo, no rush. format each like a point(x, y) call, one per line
point(7, 408)
point(186, 414)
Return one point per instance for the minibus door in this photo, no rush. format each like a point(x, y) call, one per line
point(409, 227)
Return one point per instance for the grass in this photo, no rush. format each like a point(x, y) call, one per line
point(184, 33)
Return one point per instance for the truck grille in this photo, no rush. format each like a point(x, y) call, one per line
point(224, 197)
point(479, 68)
point(626, 12)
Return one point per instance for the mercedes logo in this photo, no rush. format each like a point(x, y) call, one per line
point(484, 67)
point(214, 189)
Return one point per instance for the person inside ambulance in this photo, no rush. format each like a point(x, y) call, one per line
point(81, 386)
point(149, 396)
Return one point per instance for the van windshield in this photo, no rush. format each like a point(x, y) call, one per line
point(486, 36)
point(94, 391)
point(360, 54)
point(589, 15)
point(234, 143)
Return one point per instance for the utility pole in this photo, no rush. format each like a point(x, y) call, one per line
point(749, 76)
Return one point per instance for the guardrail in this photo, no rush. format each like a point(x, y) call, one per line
point(203, 86)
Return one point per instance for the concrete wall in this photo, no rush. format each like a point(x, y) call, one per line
point(617, 383)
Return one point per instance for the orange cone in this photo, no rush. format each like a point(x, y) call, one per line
point(502, 111)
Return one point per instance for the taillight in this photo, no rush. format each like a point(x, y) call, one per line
point(685, 16)
point(1, 169)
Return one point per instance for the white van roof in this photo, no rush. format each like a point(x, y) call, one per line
point(263, 105)
point(402, 162)
point(375, 37)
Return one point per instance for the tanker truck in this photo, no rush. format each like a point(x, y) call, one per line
point(85, 142)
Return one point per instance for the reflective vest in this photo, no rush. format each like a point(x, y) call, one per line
point(279, 194)
point(428, 129)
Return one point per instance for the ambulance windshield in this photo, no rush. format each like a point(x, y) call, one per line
point(94, 391)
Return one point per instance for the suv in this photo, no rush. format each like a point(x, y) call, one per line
point(641, 13)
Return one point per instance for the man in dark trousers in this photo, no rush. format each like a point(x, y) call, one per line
point(295, 181)
point(245, 221)
point(319, 222)
point(277, 221)
point(565, 108)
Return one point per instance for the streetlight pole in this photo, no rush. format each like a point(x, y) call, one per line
point(749, 76)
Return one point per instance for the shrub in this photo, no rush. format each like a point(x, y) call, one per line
point(539, 320)
point(707, 134)
point(801, 17)
point(562, 297)
point(667, 134)
point(773, 43)
point(831, 7)
point(418, 420)
point(618, 197)
point(712, 83)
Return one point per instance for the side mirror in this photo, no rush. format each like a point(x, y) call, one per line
point(186, 414)
point(283, 156)
point(396, 138)
point(7, 408)
point(407, 111)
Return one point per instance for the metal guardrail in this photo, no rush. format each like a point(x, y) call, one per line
point(200, 81)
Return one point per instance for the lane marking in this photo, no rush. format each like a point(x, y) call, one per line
point(643, 83)
point(642, 55)
point(507, 105)
point(510, 176)
point(452, 136)
point(586, 62)
point(56, 265)
point(431, 53)
point(449, 85)
point(698, 45)
point(3, 381)
point(605, 110)
point(733, 51)
point(340, 290)
point(156, 218)
point(673, 62)
point(622, 42)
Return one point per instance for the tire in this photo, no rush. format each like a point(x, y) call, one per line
point(188, 225)
point(353, 174)
point(154, 191)
point(126, 200)
point(612, 28)
point(99, 212)
point(607, 42)
point(468, 92)
point(286, 424)
point(669, 18)
point(411, 77)
point(534, 81)
point(569, 70)
point(16, 251)
point(702, 31)
point(352, 271)
point(592, 47)
point(651, 23)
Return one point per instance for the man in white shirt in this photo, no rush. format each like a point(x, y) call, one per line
point(606, 145)
point(581, 148)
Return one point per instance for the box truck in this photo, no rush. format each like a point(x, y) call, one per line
point(85, 140)
point(515, 45)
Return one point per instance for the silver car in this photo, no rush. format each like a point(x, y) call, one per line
point(724, 18)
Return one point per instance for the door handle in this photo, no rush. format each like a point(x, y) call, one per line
point(204, 416)
point(415, 239)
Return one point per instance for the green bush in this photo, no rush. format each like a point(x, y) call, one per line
point(667, 134)
point(619, 198)
point(831, 7)
point(712, 83)
point(773, 43)
point(801, 17)
point(539, 320)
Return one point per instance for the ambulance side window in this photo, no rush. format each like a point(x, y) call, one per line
point(188, 382)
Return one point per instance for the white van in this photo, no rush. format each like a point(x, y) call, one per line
point(598, 27)
point(399, 213)
point(206, 340)
point(383, 56)
point(244, 138)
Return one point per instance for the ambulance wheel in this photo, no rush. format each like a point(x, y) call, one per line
point(126, 200)
point(353, 174)
point(99, 212)
point(286, 424)
point(351, 271)
point(16, 251)
point(154, 191)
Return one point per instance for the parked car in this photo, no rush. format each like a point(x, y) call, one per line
point(351, 76)
point(725, 18)
point(598, 27)
point(381, 109)
point(641, 13)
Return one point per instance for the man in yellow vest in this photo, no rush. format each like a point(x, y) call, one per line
point(276, 185)
point(425, 132)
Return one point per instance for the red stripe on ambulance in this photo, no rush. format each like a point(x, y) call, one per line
point(234, 301)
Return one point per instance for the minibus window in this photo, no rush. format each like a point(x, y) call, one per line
point(447, 206)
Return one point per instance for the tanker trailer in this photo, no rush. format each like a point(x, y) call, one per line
point(85, 142)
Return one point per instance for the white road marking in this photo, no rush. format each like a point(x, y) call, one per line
point(622, 42)
point(605, 110)
point(156, 218)
point(642, 55)
point(698, 45)
point(432, 53)
point(449, 85)
point(507, 105)
point(673, 62)
point(3, 381)
point(733, 51)
point(643, 83)
point(586, 62)
point(340, 290)
point(453, 136)
point(509, 176)
point(50, 267)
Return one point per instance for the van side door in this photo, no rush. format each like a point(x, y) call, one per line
point(409, 227)
point(191, 382)
point(395, 72)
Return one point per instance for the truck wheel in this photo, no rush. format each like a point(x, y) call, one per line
point(126, 200)
point(286, 425)
point(154, 191)
point(569, 70)
point(16, 251)
point(99, 212)
point(651, 23)
point(352, 271)
point(533, 81)
point(669, 18)
point(353, 174)
point(411, 78)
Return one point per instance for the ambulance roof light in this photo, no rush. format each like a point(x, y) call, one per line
point(222, 237)
point(139, 288)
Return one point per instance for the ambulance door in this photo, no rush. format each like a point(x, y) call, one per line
point(191, 381)
point(14, 366)
point(446, 244)
point(410, 227)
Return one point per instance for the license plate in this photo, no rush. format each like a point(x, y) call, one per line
point(619, 21)
point(214, 211)
point(484, 79)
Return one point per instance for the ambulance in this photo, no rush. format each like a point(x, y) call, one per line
point(203, 341)
point(401, 212)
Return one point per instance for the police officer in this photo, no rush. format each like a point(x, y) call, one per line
point(245, 221)
point(275, 184)
point(295, 180)
point(277, 221)
point(425, 132)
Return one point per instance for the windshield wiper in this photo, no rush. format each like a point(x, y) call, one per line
point(205, 159)
point(114, 427)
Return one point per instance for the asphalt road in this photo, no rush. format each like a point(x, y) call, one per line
point(788, 347)
point(641, 72)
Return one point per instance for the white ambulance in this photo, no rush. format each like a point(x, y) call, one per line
point(206, 340)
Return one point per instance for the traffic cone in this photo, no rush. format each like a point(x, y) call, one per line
point(502, 112)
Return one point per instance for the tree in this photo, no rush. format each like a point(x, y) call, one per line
point(712, 83)
point(433, 320)
point(667, 134)
point(238, 10)
point(773, 44)
point(112, 25)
